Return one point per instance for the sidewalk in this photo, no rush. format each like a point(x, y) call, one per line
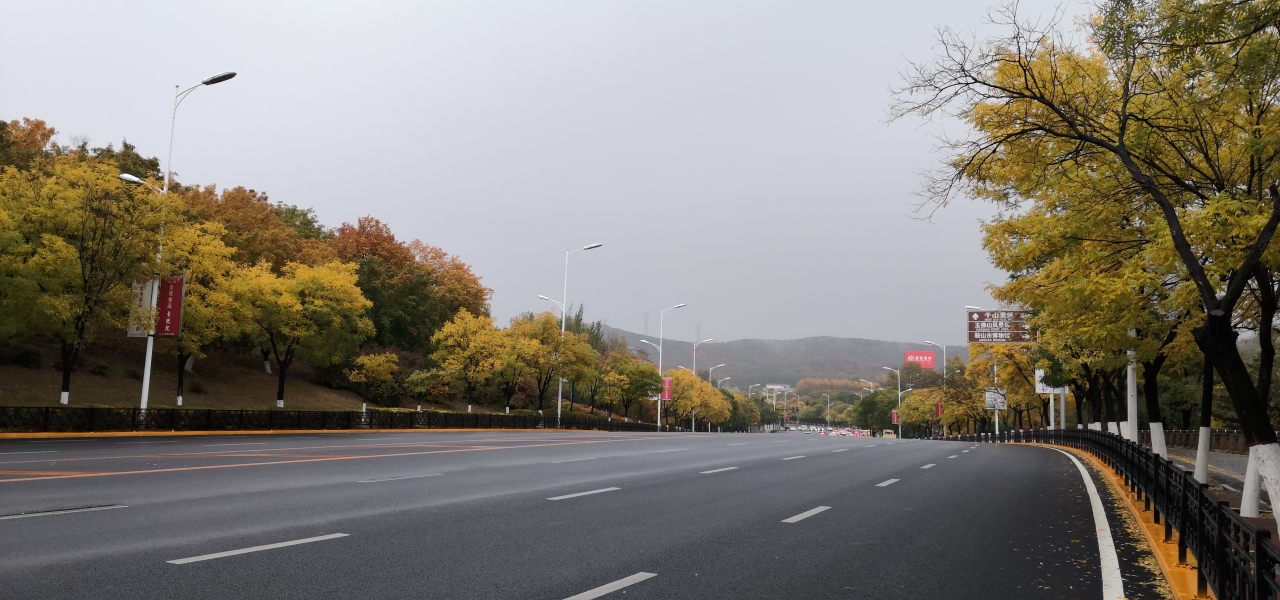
point(1225, 469)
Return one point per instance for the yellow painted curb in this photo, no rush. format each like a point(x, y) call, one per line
point(1181, 578)
point(60, 435)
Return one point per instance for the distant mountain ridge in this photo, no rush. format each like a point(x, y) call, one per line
point(784, 361)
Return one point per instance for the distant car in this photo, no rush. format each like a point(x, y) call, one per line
point(807, 432)
point(888, 433)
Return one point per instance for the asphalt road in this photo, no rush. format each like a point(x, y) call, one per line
point(546, 515)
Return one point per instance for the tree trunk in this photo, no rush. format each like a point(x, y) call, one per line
point(1216, 338)
point(1206, 418)
point(182, 369)
point(69, 354)
point(1151, 393)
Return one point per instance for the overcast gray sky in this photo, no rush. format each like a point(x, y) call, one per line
point(732, 154)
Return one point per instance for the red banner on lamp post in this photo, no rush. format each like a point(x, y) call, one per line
point(666, 388)
point(924, 358)
point(895, 417)
point(169, 306)
point(937, 410)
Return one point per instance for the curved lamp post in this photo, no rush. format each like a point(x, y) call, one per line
point(178, 97)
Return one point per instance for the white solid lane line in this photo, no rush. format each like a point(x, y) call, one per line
point(1112, 584)
point(806, 514)
point(376, 439)
point(612, 587)
point(792, 457)
point(320, 538)
point(33, 452)
point(953, 456)
point(672, 450)
point(399, 478)
point(556, 462)
point(600, 491)
point(61, 512)
point(57, 441)
point(887, 482)
point(742, 444)
point(162, 442)
point(238, 444)
point(929, 465)
point(840, 450)
point(718, 470)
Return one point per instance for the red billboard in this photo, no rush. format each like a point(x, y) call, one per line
point(924, 358)
point(169, 306)
point(666, 388)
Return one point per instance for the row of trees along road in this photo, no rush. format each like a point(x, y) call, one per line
point(354, 302)
point(517, 367)
point(1136, 171)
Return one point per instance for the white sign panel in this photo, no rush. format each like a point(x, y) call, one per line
point(995, 399)
point(140, 313)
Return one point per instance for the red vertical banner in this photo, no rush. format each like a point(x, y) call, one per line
point(937, 410)
point(895, 417)
point(666, 388)
point(169, 306)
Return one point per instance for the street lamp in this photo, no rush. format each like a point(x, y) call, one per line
point(685, 368)
point(564, 304)
point(944, 358)
point(721, 382)
point(899, 374)
point(662, 315)
point(749, 389)
point(871, 383)
point(712, 369)
point(695, 356)
point(828, 408)
point(178, 97)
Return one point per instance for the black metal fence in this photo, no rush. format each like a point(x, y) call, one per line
point(1236, 557)
point(59, 419)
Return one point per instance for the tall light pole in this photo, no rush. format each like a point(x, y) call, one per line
point(944, 358)
point(564, 305)
point(685, 368)
point(661, 316)
point(721, 382)
point(899, 374)
point(695, 356)
point(709, 371)
point(178, 97)
point(749, 389)
point(828, 408)
point(870, 383)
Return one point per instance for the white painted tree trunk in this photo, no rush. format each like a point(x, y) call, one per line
point(191, 364)
point(1252, 483)
point(179, 400)
point(65, 398)
point(1269, 467)
point(1113, 428)
point(1202, 456)
point(1157, 440)
point(1096, 426)
point(266, 366)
